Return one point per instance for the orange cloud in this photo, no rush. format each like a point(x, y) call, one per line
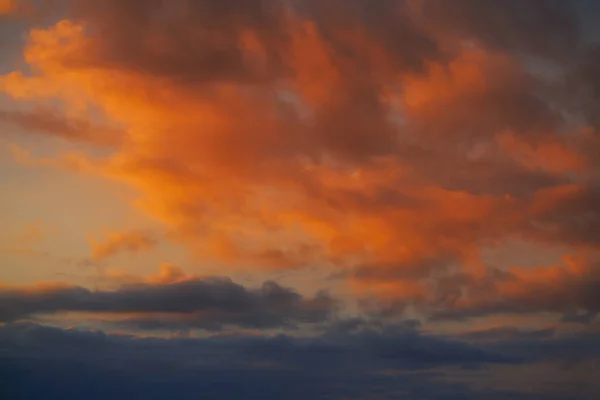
point(8, 6)
point(283, 138)
point(118, 242)
point(24, 8)
point(551, 155)
point(475, 96)
point(569, 288)
point(167, 273)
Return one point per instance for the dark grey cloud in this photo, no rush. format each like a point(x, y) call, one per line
point(583, 88)
point(389, 23)
point(199, 41)
point(505, 333)
point(414, 270)
point(186, 42)
point(207, 303)
point(537, 345)
point(547, 28)
point(42, 362)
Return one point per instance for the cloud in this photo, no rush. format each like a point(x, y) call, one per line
point(23, 10)
point(570, 289)
point(118, 242)
point(8, 6)
point(396, 142)
point(39, 361)
point(566, 213)
point(168, 273)
point(586, 82)
point(546, 28)
point(390, 145)
point(53, 123)
point(206, 303)
point(237, 43)
point(476, 95)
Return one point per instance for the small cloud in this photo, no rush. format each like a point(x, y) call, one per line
point(122, 242)
point(168, 273)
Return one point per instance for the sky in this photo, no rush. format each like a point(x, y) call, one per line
point(300, 199)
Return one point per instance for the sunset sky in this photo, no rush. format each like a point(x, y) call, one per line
point(300, 199)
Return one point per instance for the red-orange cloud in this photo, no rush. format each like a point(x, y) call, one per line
point(395, 143)
point(8, 6)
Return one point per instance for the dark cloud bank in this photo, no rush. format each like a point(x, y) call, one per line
point(38, 362)
point(343, 359)
point(208, 303)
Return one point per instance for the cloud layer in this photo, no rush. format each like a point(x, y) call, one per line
point(38, 362)
point(205, 303)
point(437, 159)
point(401, 136)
